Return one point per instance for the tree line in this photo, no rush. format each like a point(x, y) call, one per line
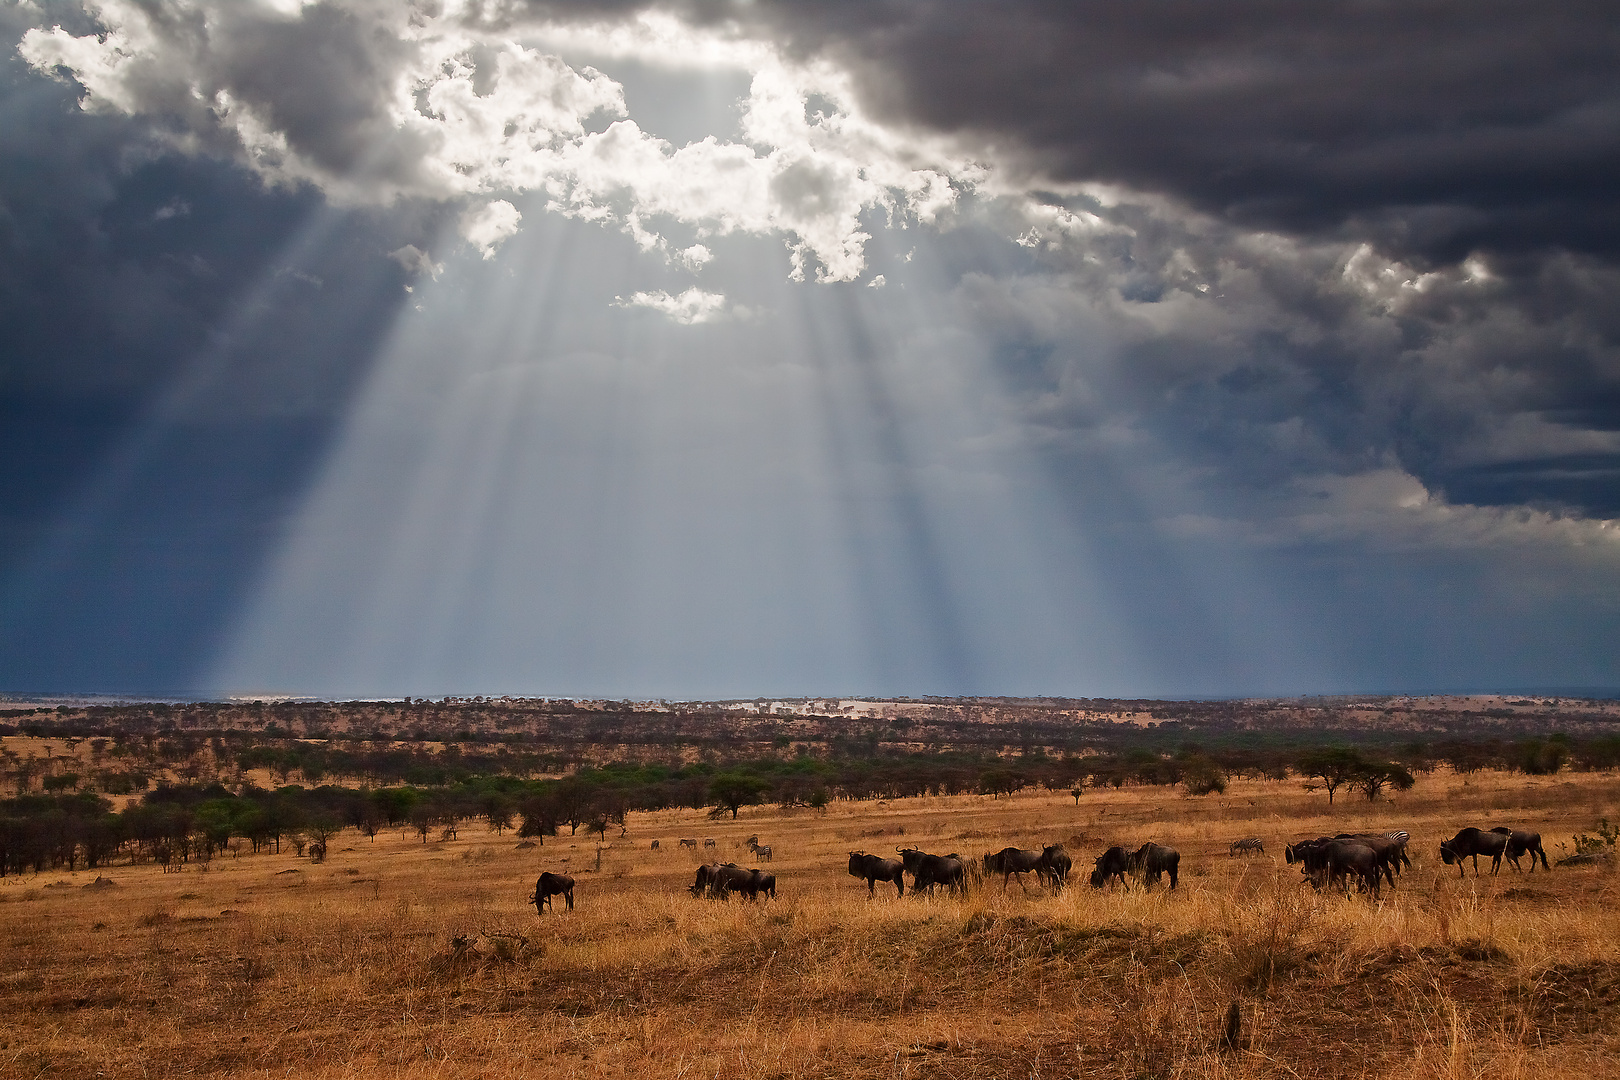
point(196, 821)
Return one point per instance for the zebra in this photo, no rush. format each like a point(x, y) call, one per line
point(1249, 845)
point(761, 851)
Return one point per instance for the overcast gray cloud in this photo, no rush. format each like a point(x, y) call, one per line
point(1229, 290)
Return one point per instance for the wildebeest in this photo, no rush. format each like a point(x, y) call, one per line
point(1113, 863)
point(1249, 845)
point(1054, 866)
point(1010, 861)
point(1475, 842)
point(708, 841)
point(1391, 855)
point(1337, 860)
point(758, 882)
point(688, 842)
point(705, 875)
point(655, 845)
point(875, 868)
point(551, 885)
point(929, 870)
point(719, 880)
point(1152, 860)
point(1520, 842)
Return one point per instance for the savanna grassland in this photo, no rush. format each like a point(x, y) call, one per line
point(402, 958)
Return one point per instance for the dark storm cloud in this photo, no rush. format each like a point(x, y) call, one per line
point(1431, 128)
point(1431, 132)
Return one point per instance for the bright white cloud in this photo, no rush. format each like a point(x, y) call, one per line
point(446, 102)
point(484, 227)
point(687, 308)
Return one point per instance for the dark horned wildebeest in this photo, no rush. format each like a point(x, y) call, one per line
point(1390, 853)
point(929, 870)
point(728, 878)
point(705, 875)
point(1152, 859)
point(875, 868)
point(1520, 842)
point(1475, 842)
point(1010, 861)
point(655, 845)
point(758, 882)
point(690, 842)
point(1340, 860)
point(551, 885)
point(1113, 863)
point(1054, 866)
point(1249, 845)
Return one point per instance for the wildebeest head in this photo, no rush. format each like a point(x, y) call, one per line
point(1447, 856)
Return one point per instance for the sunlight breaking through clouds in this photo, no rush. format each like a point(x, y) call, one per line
point(456, 107)
point(876, 349)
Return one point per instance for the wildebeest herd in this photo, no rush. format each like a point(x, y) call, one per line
point(1363, 860)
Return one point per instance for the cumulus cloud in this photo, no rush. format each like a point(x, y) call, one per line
point(688, 308)
point(484, 227)
point(373, 103)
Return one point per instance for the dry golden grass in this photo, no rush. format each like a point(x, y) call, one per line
point(269, 965)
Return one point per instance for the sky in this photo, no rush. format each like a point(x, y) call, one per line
point(716, 348)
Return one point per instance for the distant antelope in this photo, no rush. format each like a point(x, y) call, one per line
point(655, 845)
point(708, 841)
point(691, 843)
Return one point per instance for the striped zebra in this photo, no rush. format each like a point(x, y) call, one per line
point(1250, 845)
point(1401, 836)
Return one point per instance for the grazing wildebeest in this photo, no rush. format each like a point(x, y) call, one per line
point(1475, 842)
point(929, 870)
point(1010, 861)
point(708, 841)
point(1249, 845)
point(728, 878)
point(1113, 863)
point(551, 885)
point(875, 868)
point(705, 874)
point(1390, 854)
point(1153, 860)
point(1334, 860)
point(655, 845)
point(1054, 866)
point(686, 842)
point(1520, 842)
point(758, 881)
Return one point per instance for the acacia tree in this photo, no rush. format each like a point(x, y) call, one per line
point(1376, 775)
point(732, 791)
point(1330, 768)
